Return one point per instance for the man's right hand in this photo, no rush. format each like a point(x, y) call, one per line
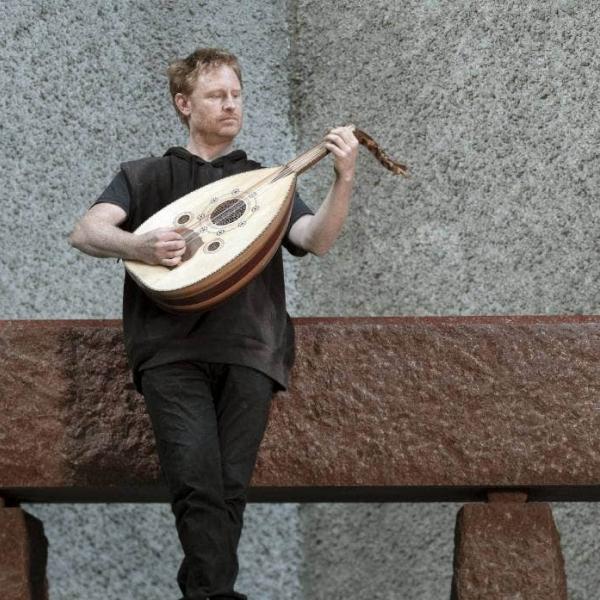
point(98, 233)
point(162, 246)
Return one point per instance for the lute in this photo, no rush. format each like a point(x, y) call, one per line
point(232, 228)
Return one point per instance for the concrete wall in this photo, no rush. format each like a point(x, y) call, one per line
point(493, 105)
point(84, 89)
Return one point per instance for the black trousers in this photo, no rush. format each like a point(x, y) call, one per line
point(208, 421)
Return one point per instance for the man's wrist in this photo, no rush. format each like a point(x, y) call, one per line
point(135, 248)
point(346, 176)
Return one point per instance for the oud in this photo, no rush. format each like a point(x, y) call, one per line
point(232, 228)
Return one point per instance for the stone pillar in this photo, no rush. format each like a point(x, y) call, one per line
point(508, 548)
point(23, 555)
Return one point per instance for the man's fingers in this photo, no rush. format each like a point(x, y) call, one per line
point(342, 143)
point(338, 150)
point(170, 262)
point(338, 141)
point(173, 245)
point(345, 132)
point(343, 136)
point(164, 253)
point(334, 137)
point(334, 149)
point(165, 235)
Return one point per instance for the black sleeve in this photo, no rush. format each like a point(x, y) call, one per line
point(299, 209)
point(117, 193)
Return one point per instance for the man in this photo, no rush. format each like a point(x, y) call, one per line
point(208, 378)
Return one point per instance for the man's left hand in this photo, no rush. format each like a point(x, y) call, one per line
point(342, 143)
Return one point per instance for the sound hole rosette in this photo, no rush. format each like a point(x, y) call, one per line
point(228, 212)
point(198, 285)
point(213, 246)
point(183, 219)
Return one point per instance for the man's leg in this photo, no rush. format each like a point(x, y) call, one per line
point(244, 402)
point(200, 412)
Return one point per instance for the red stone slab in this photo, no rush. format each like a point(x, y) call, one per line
point(508, 550)
point(23, 556)
point(474, 402)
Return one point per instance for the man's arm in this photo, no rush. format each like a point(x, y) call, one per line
point(317, 233)
point(98, 233)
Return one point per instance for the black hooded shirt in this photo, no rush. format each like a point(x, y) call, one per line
point(251, 328)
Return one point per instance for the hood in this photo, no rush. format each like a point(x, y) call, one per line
point(181, 152)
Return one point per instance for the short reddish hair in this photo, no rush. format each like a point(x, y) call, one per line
point(183, 72)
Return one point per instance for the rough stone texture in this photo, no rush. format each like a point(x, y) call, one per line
point(23, 556)
point(499, 216)
point(458, 401)
point(578, 526)
point(508, 550)
point(443, 400)
point(503, 496)
point(84, 89)
point(69, 414)
point(494, 107)
point(132, 551)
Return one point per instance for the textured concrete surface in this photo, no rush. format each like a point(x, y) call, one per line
point(493, 105)
point(114, 551)
point(84, 89)
point(393, 551)
point(578, 527)
point(508, 549)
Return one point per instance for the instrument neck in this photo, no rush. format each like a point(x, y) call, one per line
point(315, 154)
point(307, 159)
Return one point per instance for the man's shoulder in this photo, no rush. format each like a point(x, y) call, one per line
point(144, 160)
point(147, 163)
point(254, 163)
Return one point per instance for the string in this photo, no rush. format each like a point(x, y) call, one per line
point(294, 166)
point(287, 169)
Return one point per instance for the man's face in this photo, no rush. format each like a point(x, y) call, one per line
point(215, 105)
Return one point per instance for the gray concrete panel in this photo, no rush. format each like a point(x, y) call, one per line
point(131, 551)
point(494, 105)
point(84, 89)
point(384, 551)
